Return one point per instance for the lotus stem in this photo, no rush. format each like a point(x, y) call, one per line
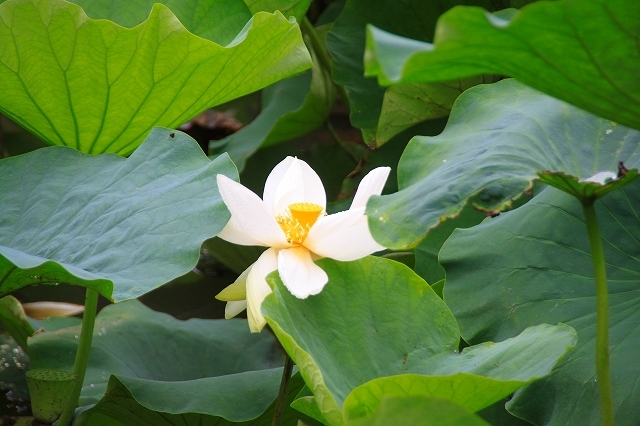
point(323, 56)
point(284, 391)
point(603, 368)
point(82, 355)
point(342, 143)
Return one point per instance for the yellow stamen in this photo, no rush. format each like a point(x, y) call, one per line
point(298, 221)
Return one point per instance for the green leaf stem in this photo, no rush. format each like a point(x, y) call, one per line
point(533, 265)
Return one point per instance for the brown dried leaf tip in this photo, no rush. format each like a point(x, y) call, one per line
point(622, 170)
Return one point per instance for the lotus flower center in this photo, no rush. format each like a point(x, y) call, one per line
point(298, 220)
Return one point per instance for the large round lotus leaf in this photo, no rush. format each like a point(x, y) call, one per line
point(120, 226)
point(419, 411)
point(402, 106)
point(533, 265)
point(499, 138)
point(217, 20)
point(243, 399)
point(426, 253)
point(475, 378)
point(376, 320)
point(405, 105)
point(132, 341)
point(583, 52)
point(98, 87)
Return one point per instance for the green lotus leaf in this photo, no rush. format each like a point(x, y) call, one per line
point(378, 114)
point(98, 87)
point(305, 402)
point(241, 399)
point(55, 323)
point(119, 226)
point(217, 20)
point(497, 414)
point(133, 401)
point(290, 108)
point(376, 318)
point(585, 53)
point(405, 105)
point(296, 8)
point(533, 265)
point(130, 342)
point(498, 140)
point(15, 321)
point(475, 378)
point(419, 411)
point(426, 252)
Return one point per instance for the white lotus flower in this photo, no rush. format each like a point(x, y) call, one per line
point(291, 220)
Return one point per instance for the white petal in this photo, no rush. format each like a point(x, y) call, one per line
point(290, 190)
point(250, 215)
point(602, 177)
point(236, 291)
point(299, 274)
point(342, 236)
point(326, 225)
point(234, 234)
point(273, 181)
point(298, 184)
point(258, 289)
point(234, 308)
point(313, 187)
point(371, 184)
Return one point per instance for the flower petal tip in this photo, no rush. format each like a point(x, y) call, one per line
point(370, 185)
point(222, 178)
point(256, 327)
point(234, 308)
point(309, 291)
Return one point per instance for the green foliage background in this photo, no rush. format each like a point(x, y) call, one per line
point(477, 106)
